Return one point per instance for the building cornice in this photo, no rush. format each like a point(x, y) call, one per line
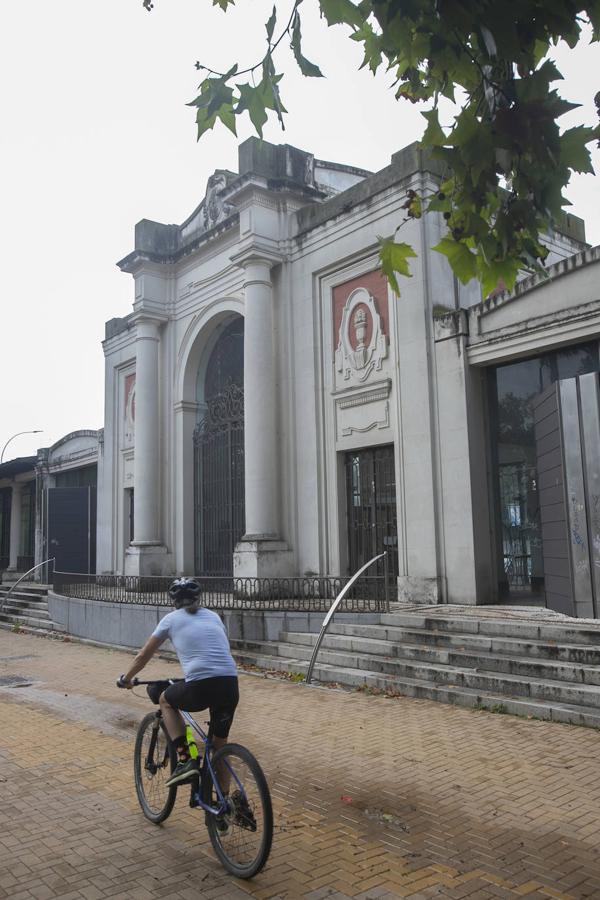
point(586, 257)
point(526, 339)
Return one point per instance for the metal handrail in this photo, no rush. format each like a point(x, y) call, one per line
point(332, 610)
point(11, 589)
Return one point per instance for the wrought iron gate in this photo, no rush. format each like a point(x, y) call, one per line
point(219, 481)
point(371, 506)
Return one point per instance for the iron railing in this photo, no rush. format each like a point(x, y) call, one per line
point(302, 594)
point(24, 563)
point(337, 603)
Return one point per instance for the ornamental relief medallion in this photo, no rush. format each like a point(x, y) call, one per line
point(362, 344)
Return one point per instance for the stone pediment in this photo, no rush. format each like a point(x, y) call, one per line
point(212, 210)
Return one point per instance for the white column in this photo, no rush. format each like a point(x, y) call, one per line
point(259, 403)
point(15, 526)
point(146, 471)
point(186, 416)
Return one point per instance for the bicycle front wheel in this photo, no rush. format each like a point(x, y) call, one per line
point(242, 836)
point(153, 761)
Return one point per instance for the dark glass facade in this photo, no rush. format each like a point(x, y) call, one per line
point(515, 479)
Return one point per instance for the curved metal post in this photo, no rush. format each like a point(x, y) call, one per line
point(332, 610)
point(11, 589)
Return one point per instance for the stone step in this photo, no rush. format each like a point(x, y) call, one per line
point(461, 695)
point(563, 631)
point(409, 642)
point(16, 607)
point(34, 599)
point(31, 621)
point(586, 654)
point(479, 679)
point(24, 589)
point(512, 660)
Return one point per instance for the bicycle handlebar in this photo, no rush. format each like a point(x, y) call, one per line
point(136, 681)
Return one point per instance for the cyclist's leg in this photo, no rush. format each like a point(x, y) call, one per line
point(189, 696)
point(222, 710)
point(175, 726)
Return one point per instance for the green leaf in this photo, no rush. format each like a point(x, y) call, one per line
point(394, 258)
point(341, 12)
point(593, 11)
point(499, 273)
point(227, 116)
point(223, 4)
point(462, 261)
point(371, 45)
point(270, 26)
point(465, 129)
point(252, 102)
point(573, 150)
point(306, 67)
point(433, 136)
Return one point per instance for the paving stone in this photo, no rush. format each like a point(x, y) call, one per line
point(374, 798)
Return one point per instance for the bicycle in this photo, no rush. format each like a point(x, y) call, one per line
point(240, 824)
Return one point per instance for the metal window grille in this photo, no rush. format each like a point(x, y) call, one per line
point(371, 507)
point(219, 481)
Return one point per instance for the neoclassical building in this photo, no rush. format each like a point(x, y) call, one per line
point(48, 507)
point(272, 408)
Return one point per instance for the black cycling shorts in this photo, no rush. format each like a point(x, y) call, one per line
point(220, 695)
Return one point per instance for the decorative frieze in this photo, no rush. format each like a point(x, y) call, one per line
point(353, 418)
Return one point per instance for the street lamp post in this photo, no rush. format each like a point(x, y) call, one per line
point(35, 431)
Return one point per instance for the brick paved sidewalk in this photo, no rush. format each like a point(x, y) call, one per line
point(373, 797)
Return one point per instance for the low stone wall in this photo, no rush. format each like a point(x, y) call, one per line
point(131, 624)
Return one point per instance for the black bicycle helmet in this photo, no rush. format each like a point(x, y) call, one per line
point(184, 592)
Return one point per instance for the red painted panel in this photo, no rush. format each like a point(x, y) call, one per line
point(376, 284)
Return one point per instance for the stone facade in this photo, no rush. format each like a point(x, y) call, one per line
point(32, 491)
point(336, 370)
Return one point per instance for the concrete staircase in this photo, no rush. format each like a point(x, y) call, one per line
point(526, 662)
point(26, 608)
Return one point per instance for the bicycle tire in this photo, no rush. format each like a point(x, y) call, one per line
point(155, 798)
point(243, 851)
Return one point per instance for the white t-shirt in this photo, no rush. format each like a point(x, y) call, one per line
point(200, 641)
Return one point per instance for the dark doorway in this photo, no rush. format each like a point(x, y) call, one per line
point(5, 509)
point(71, 528)
point(219, 456)
point(371, 508)
point(129, 515)
point(26, 558)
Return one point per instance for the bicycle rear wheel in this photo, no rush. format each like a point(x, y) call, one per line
point(242, 837)
point(153, 761)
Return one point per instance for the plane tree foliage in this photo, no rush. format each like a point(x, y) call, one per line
point(504, 158)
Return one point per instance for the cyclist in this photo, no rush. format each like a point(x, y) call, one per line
point(201, 643)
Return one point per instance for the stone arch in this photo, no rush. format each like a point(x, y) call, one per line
point(194, 353)
point(200, 337)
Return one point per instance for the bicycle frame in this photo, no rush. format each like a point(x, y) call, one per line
point(206, 764)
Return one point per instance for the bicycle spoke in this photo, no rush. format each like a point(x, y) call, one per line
point(153, 763)
point(242, 836)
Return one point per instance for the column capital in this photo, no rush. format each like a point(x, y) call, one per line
point(186, 406)
point(147, 326)
point(258, 253)
point(145, 315)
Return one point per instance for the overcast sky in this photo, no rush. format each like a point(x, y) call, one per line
point(95, 135)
